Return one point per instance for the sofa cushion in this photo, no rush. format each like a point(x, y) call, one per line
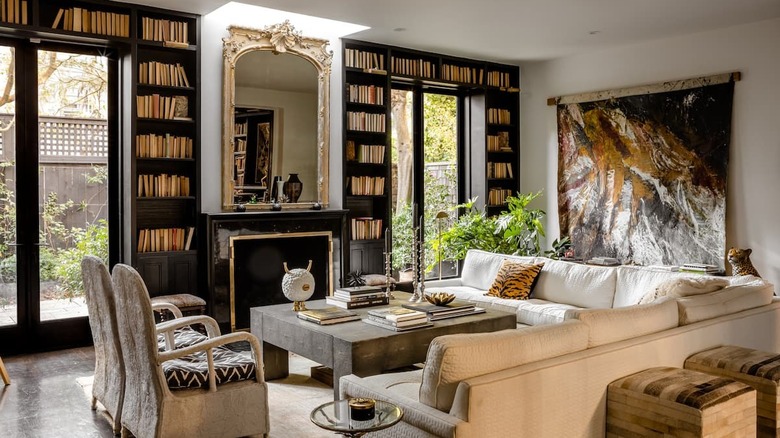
point(613, 325)
point(453, 358)
point(514, 280)
point(740, 295)
point(576, 284)
point(633, 282)
point(480, 267)
point(541, 312)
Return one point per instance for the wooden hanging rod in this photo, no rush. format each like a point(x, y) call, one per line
point(683, 84)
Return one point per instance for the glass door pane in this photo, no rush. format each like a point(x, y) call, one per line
point(440, 175)
point(9, 296)
point(73, 176)
point(402, 162)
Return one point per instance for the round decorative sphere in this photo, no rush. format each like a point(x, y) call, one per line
point(298, 285)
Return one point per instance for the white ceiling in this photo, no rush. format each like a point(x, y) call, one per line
point(514, 31)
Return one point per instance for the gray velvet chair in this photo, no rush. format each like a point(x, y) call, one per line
point(208, 402)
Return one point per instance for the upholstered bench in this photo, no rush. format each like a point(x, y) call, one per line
point(759, 369)
point(676, 402)
point(188, 304)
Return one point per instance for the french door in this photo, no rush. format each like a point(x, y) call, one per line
point(58, 174)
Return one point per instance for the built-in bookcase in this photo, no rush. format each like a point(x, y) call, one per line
point(159, 116)
point(493, 134)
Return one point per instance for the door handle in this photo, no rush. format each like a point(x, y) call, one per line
point(41, 244)
point(15, 244)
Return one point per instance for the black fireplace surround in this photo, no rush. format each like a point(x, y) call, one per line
point(262, 241)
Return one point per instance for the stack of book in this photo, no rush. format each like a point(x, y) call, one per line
point(700, 268)
point(397, 318)
point(604, 261)
point(358, 296)
point(327, 316)
point(451, 310)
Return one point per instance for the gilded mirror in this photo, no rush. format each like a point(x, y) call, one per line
point(275, 127)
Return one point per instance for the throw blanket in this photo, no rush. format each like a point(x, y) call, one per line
point(683, 287)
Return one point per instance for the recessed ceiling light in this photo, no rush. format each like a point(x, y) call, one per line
point(399, 29)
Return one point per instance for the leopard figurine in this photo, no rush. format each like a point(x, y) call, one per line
point(740, 262)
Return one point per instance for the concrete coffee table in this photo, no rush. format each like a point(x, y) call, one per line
point(355, 347)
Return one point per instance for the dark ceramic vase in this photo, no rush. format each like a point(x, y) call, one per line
point(293, 187)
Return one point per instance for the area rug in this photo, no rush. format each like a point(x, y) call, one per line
point(290, 400)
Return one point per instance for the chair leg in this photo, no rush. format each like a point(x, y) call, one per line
point(4, 373)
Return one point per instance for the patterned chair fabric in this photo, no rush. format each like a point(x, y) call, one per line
point(183, 337)
point(193, 372)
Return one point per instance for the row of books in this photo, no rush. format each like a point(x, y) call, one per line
point(497, 196)
point(357, 297)
point(165, 239)
point(499, 116)
point(162, 146)
point(365, 153)
point(160, 73)
point(240, 128)
point(498, 79)
point(367, 185)
point(455, 73)
point(414, 67)
point(156, 106)
point(155, 186)
point(370, 94)
point(361, 121)
point(97, 22)
point(499, 142)
point(499, 170)
point(365, 60)
point(14, 11)
point(174, 33)
point(365, 228)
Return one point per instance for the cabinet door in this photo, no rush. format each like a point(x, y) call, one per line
point(154, 271)
point(366, 257)
point(171, 274)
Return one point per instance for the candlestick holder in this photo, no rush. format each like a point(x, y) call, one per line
point(418, 282)
point(388, 276)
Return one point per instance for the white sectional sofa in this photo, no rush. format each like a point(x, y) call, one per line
point(581, 330)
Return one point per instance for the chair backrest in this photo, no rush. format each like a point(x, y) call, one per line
point(144, 380)
point(109, 381)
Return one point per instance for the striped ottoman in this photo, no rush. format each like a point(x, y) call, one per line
point(759, 369)
point(681, 403)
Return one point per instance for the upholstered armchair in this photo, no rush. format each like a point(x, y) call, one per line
point(202, 390)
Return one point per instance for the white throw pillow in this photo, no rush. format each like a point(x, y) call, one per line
point(684, 287)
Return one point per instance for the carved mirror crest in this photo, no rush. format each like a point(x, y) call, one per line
point(276, 120)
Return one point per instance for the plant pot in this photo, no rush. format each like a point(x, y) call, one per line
point(293, 187)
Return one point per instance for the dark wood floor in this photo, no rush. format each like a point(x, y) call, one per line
point(44, 399)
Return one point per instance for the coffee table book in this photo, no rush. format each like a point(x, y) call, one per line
point(386, 325)
point(397, 313)
point(328, 315)
point(356, 290)
point(356, 303)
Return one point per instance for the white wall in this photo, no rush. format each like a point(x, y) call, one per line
point(213, 29)
point(753, 203)
point(295, 133)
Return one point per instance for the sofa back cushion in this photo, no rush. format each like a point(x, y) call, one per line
point(743, 293)
point(575, 284)
point(453, 358)
point(480, 267)
point(633, 282)
point(612, 325)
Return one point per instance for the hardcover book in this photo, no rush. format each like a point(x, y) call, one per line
point(397, 313)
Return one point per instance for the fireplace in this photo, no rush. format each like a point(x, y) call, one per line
point(257, 267)
point(238, 243)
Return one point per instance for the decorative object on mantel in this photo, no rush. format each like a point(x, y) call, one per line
point(298, 286)
point(276, 206)
point(280, 196)
point(275, 188)
point(739, 259)
point(316, 206)
point(240, 208)
point(293, 187)
point(642, 171)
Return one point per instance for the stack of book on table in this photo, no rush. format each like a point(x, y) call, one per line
point(700, 268)
point(327, 316)
point(451, 310)
point(397, 318)
point(358, 296)
point(604, 261)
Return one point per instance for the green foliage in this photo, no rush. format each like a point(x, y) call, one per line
point(517, 231)
point(559, 247)
point(92, 241)
point(441, 128)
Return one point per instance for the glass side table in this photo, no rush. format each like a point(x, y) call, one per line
point(335, 416)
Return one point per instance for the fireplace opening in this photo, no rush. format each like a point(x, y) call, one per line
point(257, 267)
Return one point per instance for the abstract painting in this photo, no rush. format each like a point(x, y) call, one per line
point(642, 178)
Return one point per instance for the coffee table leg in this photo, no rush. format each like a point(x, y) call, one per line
point(276, 362)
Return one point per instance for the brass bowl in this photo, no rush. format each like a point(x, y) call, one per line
point(439, 298)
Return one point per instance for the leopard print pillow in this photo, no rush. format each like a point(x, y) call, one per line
point(515, 280)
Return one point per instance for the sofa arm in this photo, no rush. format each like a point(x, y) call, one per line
point(416, 414)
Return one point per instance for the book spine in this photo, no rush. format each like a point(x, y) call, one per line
point(357, 304)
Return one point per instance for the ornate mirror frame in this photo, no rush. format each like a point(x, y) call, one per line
point(277, 38)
